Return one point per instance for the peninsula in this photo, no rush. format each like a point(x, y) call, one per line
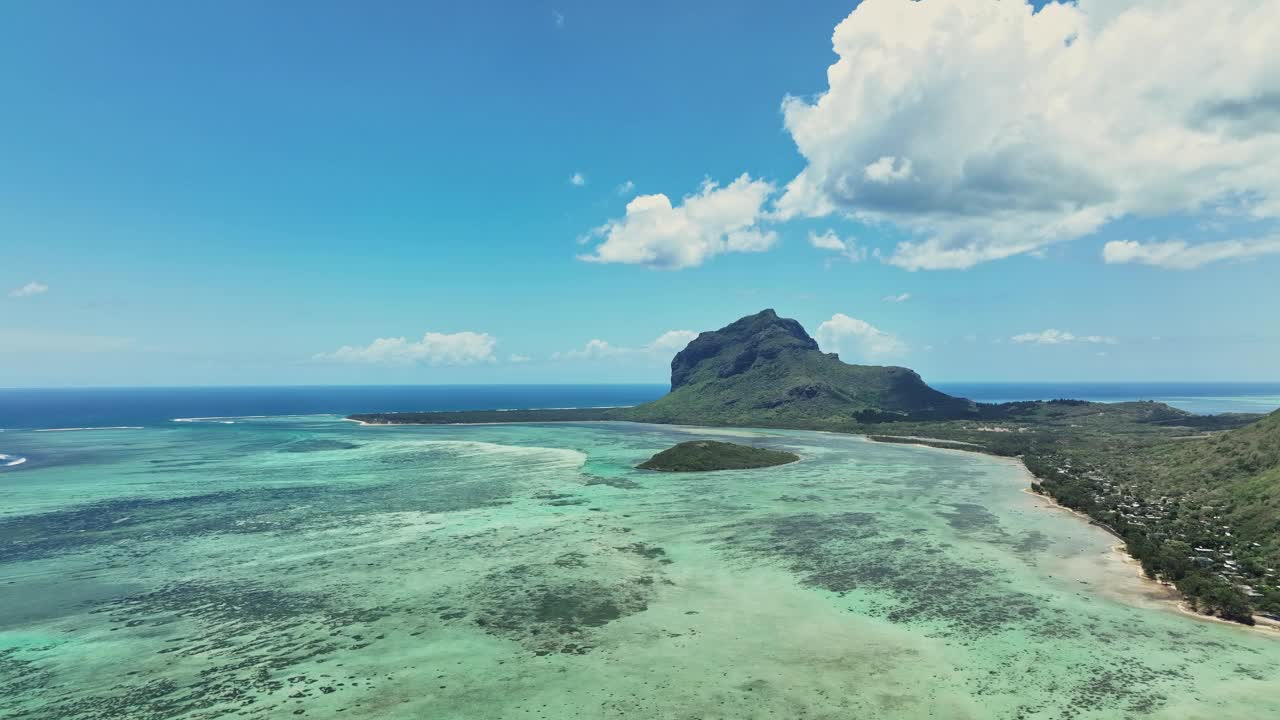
point(1195, 498)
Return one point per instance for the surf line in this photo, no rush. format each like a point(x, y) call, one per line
point(82, 429)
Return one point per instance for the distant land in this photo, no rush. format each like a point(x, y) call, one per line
point(1196, 498)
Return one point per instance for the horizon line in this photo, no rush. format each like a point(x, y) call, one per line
point(236, 386)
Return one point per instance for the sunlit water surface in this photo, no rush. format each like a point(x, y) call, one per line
point(312, 567)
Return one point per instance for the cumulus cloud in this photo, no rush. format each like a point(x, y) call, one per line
point(1178, 255)
point(595, 349)
point(626, 188)
point(1060, 337)
point(899, 298)
point(826, 241)
point(577, 179)
point(664, 346)
point(713, 221)
point(28, 290)
point(856, 339)
point(989, 129)
point(830, 241)
point(887, 170)
point(462, 348)
point(672, 341)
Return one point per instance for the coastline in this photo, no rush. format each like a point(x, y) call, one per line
point(472, 424)
point(1163, 594)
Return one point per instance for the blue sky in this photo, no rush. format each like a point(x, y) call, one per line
point(232, 193)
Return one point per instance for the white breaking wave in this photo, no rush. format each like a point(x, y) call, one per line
point(11, 460)
point(81, 429)
point(571, 407)
point(476, 449)
point(230, 419)
point(567, 407)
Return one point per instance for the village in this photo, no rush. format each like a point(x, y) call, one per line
point(1157, 527)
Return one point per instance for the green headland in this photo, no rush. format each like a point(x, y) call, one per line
point(1195, 498)
point(705, 455)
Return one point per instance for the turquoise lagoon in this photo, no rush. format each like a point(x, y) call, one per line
point(311, 567)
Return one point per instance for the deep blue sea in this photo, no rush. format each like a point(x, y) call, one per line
point(98, 407)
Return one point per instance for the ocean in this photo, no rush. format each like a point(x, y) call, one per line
point(96, 407)
point(185, 560)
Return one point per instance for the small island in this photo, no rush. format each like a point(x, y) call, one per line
point(705, 455)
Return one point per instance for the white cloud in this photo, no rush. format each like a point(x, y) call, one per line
point(557, 18)
point(830, 241)
point(887, 170)
point(672, 341)
point(856, 339)
point(713, 221)
point(1178, 255)
point(626, 188)
point(462, 348)
point(595, 349)
point(577, 179)
point(987, 129)
point(1059, 337)
point(664, 346)
point(826, 241)
point(899, 298)
point(517, 358)
point(31, 288)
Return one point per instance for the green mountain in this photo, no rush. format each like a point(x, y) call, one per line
point(1239, 470)
point(765, 370)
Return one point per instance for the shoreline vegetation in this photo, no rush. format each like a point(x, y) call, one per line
point(1195, 498)
point(1171, 597)
point(1192, 520)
